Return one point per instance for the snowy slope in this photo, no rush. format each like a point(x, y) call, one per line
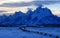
point(48, 30)
point(13, 32)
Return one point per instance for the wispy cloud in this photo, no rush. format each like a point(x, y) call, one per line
point(36, 3)
point(2, 11)
point(47, 0)
point(15, 4)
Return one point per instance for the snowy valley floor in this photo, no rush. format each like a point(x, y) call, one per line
point(15, 32)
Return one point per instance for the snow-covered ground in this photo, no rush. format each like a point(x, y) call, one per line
point(15, 32)
point(53, 31)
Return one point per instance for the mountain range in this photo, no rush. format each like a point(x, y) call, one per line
point(38, 17)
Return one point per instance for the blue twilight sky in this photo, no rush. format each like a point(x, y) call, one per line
point(10, 6)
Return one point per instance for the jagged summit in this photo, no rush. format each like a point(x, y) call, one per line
point(29, 12)
point(19, 13)
point(41, 12)
point(36, 17)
